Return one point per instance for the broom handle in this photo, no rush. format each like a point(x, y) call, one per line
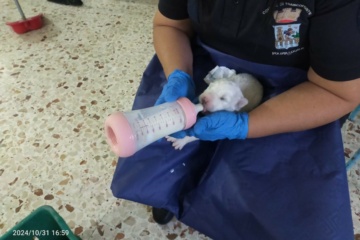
point(20, 10)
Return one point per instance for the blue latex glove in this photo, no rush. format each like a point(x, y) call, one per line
point(179, 85)
point(221, 125)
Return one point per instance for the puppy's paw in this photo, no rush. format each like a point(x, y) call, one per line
point(170, 139)
point(178, 144)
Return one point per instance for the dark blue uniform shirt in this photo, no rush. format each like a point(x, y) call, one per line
point(322, 34)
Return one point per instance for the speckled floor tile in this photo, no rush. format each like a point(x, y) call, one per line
point(57, 85)
point(351, 138)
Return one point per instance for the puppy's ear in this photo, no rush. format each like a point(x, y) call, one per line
point(241, 103)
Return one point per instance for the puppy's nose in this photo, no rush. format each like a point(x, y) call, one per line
point(204, 100)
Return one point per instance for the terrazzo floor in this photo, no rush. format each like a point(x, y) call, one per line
point(57, 84)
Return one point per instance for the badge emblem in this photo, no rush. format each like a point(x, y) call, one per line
point(287, 32)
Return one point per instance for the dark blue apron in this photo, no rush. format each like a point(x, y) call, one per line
point(281, 187)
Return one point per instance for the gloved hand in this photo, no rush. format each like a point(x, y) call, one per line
point(179, 85)
point(221, 125)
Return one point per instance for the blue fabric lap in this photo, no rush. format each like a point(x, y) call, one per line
point(159, 162)
point(159, 176)
point(291, 192)
point(286, 186)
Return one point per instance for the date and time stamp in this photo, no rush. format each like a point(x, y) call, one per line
point(40, 233)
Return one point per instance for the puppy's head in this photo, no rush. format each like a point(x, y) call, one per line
point(223, 94)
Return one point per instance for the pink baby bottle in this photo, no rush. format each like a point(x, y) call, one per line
point(128, 132)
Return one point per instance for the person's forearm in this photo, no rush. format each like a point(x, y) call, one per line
point(173, 49)
point(172, 45)
point(303, 107)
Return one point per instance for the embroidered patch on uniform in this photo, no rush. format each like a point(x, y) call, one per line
point(287, 33)
point(287, 36)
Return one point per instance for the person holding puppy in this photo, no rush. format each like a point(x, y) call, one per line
point(278, 171)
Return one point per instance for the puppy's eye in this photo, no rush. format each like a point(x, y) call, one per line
point(223, 98)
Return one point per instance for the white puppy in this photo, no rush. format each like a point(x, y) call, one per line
point(241, 92)
point(235, 93)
